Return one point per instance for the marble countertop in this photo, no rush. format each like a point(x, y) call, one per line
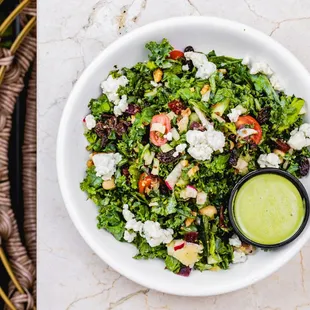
point(71, 34)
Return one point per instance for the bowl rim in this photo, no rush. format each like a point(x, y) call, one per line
point(61, 143)
point(301, 189)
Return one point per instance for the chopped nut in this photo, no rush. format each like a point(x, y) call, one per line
point(224, 71)
point(191, 172)
point(231, 145)
point(209, 211)
point(194, 213)
point(192, 89)
point(205, 89)
point(186, 112)
point(89, 163)
point(247, 248)
point(184, 163)
point(157, 75)
point(109, 184)
point(133, 118)
point(92, 154)
point(189, 221)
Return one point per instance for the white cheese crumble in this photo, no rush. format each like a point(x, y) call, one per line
point(129, 236)
point(185, 68)
point(168, 136)
point(270, 160)
point(300, 137)
point(236, 112)
point(204, 143)
point(200, 61)
point(149, 230)
point(90, 122)
point(239, 257)
point(153, 83)
point(260, 67)
point(110, 87)
point(246, 61)
point(235, 241)
point(276, 83)
point(105, 164)
point(120, 106)
point(179, 149)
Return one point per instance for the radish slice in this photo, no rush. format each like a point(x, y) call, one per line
point(191, 191)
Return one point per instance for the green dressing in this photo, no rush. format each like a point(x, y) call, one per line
point(268, 209)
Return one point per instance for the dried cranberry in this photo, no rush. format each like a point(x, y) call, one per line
point(263, 115)
point(167, 157)
point(304, 166)
point(185, 271)
point(282, 146)
point(133, 109)
point(191, 237)
point(196, 126)
point(176, 106)
point(188, 49)
point(233, 159)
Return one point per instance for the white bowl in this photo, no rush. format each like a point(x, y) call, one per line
point(204, 33)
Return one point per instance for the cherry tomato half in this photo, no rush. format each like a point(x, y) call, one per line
point(145, 181)
point(175, 54)
point(249, 120)
point(157, 138)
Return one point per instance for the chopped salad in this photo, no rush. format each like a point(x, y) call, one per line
point(168, 140)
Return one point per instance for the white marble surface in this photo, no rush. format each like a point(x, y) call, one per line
point(71, 34)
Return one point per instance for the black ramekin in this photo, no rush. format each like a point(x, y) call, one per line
point(289, 177)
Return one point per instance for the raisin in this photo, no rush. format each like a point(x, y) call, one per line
point(164, 190)
point(188, 49)
point(132, 109)
point(109, 120)
point(104, 141)
point(167, 157)
point(233, 159)
point(176, 106)
point(304, 166)
point(102, 130)
point(197, 126)
point(191, 237)
point(263, 115)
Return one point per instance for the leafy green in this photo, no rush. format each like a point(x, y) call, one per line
point(172, 264)
point(159, 52)
point(99, 106)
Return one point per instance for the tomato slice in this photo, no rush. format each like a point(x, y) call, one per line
point(175, 54)
point(144, 182)
point(249, 120)
point(156, 137)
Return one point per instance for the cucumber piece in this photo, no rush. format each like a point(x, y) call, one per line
point(155, 170)
point(220, 107)
point(148, 157)
point(166, 148)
